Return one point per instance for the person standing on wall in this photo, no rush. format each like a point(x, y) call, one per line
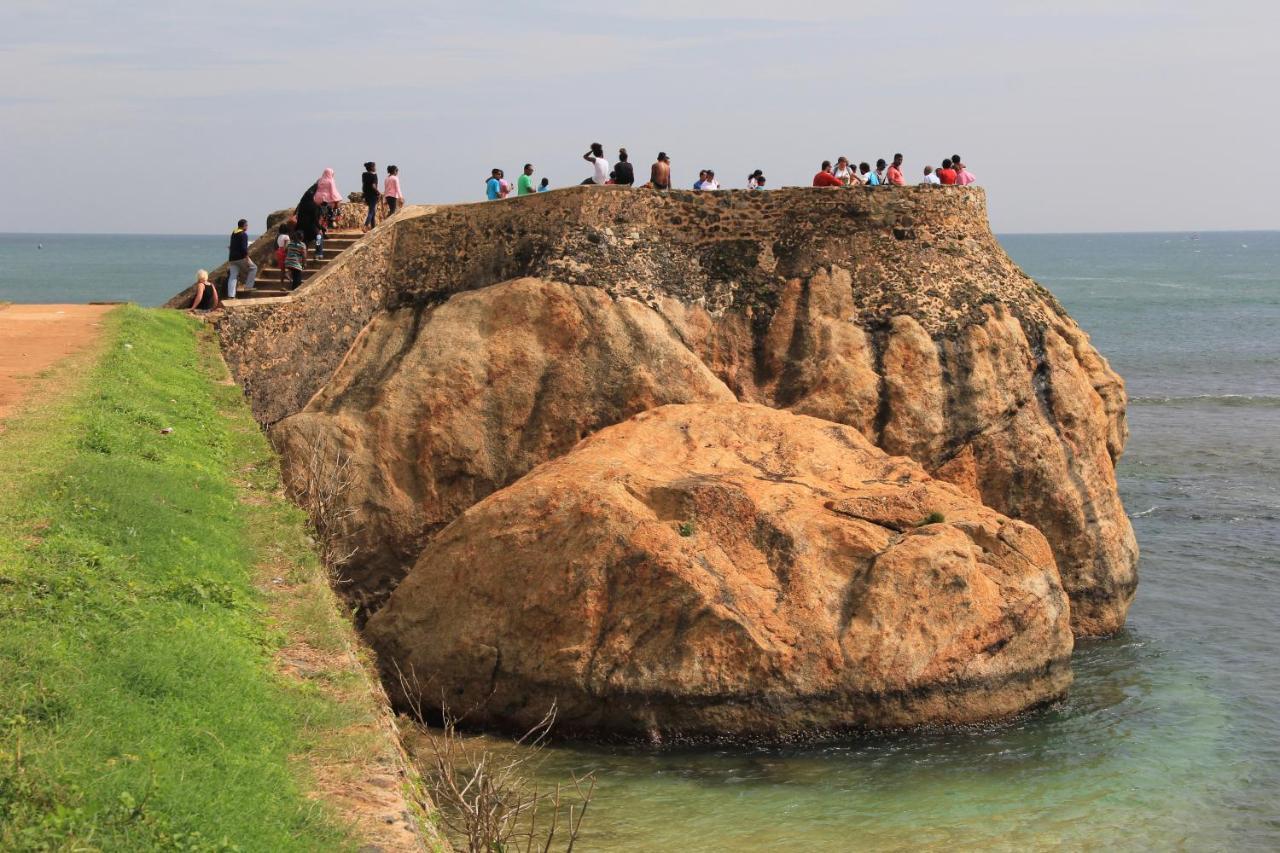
point(660, 172)
point(895, 172)
point(391, 190)
point(369, 189)
point(238, 260)
point(524, 183)
point(599, 165)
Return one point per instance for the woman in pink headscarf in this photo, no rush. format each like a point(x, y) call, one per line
point(328, 197)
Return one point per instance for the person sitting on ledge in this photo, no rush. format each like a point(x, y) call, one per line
point(868, 177)
point(711, 183)
point(947, 175)
point(623, 173)
point(544, 186)
point(599, 165)
point(702, 179)
point(963, 176)
point(755, 181)
point(930, 179)
point(825, 178)
point(206, 295)
point(660, 172)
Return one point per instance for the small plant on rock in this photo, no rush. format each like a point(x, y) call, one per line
point(686, 528)
point(934, 517)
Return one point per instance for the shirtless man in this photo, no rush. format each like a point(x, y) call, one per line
point(660, 172)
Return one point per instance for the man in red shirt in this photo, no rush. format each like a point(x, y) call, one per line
point(824, 178)
point(895, 172)
point(946, 174)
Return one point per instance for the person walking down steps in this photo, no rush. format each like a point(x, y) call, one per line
point(369, 189)
point(238, 260)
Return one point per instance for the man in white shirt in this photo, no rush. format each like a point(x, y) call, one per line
point(711, 183)
point(599, 165)
point(930, 178)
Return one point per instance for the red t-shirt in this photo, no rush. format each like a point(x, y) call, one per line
point(947, 176)
point(895, 176)
point(826, 179)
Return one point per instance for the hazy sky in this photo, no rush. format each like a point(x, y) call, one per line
point(1091, 115)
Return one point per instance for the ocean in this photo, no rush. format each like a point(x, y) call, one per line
point(1171, 735)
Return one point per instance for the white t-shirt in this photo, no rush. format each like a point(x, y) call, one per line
point(712, 184)
point(282, 241)
point(931, 178)
point(601, 167)
point(845, 175)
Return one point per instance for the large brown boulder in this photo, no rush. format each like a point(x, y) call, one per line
point(729, 570)
point(436, 407)
point(1005, 397)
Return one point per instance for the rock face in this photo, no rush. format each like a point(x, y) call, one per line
point(730, 570)
point(435, 407)
point(892, 310)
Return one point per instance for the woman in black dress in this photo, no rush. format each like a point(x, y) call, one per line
point(309, 214)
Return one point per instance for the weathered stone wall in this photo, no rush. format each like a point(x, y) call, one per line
point(892, 310)
point(714, 250)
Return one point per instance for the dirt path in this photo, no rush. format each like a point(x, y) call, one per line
point(35, 337)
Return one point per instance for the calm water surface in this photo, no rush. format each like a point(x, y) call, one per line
point(1171, 736)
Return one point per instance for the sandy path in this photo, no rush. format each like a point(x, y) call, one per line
point(35, 337)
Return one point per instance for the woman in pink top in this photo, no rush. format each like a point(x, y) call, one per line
point(328, 197)
point(391, 190)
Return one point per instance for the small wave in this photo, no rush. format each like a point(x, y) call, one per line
point(1241, 400)
point(1143, 513)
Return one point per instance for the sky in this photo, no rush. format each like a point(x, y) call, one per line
point(1082, 115)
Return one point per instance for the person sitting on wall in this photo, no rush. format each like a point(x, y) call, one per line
point(544, 186)
point(599, 165)
point(947, 175)
point(206, 295)
point(930, 179)
point(963, 176)
point(825, 178)
point(755, 181)
point(660, 172)
point(623, 172)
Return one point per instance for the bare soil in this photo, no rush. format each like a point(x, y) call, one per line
point(33, 338)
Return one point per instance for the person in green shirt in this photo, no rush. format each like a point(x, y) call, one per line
point(525, 185)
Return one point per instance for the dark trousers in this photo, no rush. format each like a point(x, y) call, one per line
point(372, 218)
point(296, 276)
point(391, 205)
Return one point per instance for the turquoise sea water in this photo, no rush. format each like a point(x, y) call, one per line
point(1171, 736)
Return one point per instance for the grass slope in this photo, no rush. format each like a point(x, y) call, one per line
point(141, 705)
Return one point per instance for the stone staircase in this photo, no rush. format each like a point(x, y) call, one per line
point(273, 283)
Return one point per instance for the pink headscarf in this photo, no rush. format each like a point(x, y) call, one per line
point(327, 189)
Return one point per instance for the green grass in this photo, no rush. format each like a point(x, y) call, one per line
point(139, 706)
